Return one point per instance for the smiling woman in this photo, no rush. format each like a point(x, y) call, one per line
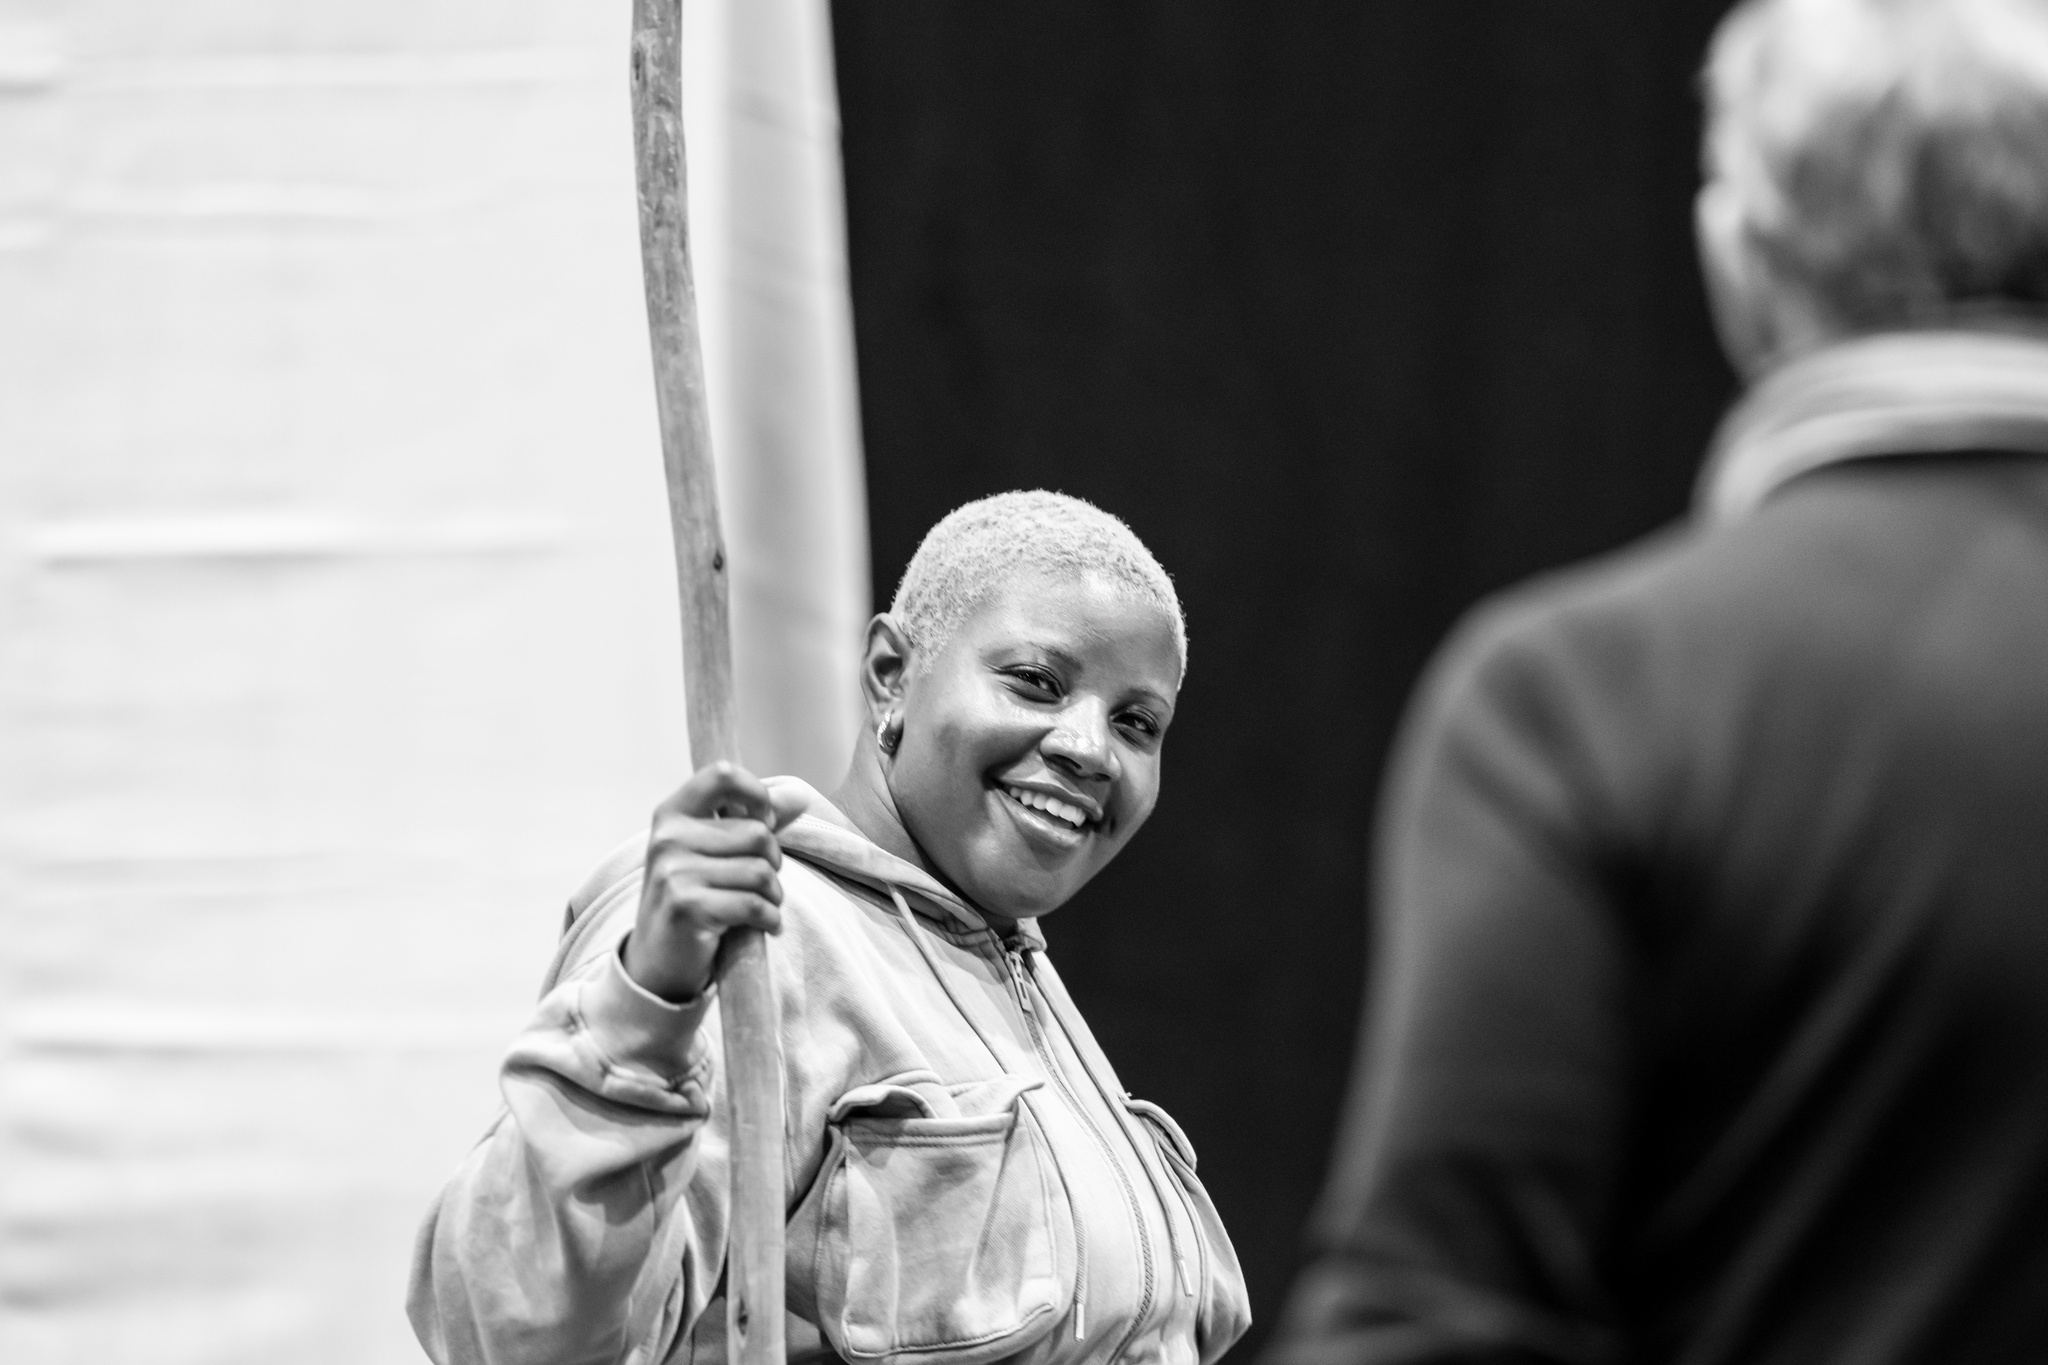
point(968, 1178)
point(1021, 685)
point(1027, 753)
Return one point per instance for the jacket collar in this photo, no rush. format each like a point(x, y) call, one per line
point(824, 835)
point(1893, 393)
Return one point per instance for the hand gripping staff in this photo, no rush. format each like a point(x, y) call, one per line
point(746, 993)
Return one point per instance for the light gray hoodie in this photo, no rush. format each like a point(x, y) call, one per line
point(967, 1179)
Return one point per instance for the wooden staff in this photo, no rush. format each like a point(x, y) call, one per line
point(746, 993)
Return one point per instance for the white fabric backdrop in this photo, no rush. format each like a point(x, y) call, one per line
point(336, 622)
point(767, 208)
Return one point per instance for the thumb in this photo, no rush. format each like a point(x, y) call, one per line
point(786, 800)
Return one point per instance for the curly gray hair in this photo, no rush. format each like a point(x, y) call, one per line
point(1890, 157)
point(976, 548)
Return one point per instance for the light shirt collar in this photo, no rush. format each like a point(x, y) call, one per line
point(1894, 393)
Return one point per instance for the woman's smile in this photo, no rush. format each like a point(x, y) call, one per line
point(1061, 820)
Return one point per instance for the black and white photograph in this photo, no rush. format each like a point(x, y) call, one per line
point(910, 682)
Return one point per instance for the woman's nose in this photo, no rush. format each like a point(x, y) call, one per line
point(1082, 741)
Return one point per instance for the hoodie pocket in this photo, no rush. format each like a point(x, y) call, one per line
point(938, 1229)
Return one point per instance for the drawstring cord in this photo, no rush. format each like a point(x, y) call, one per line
point(1124, 1119)
point(917, 936)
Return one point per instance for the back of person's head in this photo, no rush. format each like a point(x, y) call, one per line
point(977, 548)
point(1888, 159)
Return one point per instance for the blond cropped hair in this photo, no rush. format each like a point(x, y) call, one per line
point(1890, 157)
point(977, 548)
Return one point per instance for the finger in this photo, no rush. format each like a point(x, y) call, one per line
point(683, 835)
point(715, 910)
point(721, 788)
point(789, 801)
point(732, 874)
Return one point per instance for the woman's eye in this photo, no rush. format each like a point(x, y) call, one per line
point(1037, 680)
point(1139, 723)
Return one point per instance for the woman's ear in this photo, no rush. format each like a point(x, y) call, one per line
point(884, 666)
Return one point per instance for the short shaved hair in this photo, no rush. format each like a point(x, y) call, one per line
point(976, 549)
point(1889, 156)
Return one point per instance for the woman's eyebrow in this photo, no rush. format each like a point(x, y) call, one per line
point(1155, 697)
point(1065, 658)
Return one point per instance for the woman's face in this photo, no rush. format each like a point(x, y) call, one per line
point(1031, 745)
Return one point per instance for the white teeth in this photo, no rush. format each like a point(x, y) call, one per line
point(1051, 805)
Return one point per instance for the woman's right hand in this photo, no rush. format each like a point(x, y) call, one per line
point(711, 864)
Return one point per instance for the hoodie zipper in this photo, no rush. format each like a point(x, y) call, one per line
point(1016, 974)
point(1080, 1223)
point(1139, 1135)
point(1015, 980)
point(1020, 987)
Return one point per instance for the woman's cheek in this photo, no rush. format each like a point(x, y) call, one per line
point(1133, 819)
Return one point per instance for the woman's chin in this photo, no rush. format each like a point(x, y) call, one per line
point(1010, 906)
point(1029, 890)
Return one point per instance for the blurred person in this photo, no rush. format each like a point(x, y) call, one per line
point(1708, 1018)
point(968, 1180)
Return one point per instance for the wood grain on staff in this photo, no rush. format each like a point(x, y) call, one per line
point(746, 993)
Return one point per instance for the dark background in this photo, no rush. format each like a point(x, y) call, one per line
point(1356, 311)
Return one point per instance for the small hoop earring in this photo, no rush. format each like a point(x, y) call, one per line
point(889, 733)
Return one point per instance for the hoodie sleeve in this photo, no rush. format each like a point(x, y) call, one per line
point(581, 1228)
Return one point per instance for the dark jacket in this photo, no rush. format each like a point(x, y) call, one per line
point(1709, 1011)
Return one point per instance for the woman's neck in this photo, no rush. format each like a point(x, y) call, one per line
point(863, 796)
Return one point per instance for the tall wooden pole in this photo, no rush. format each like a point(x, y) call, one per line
point(746, 993)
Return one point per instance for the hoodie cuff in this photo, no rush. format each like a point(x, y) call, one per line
point(633, 1027)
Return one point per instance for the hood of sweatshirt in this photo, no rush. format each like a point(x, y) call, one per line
point(823, 835)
